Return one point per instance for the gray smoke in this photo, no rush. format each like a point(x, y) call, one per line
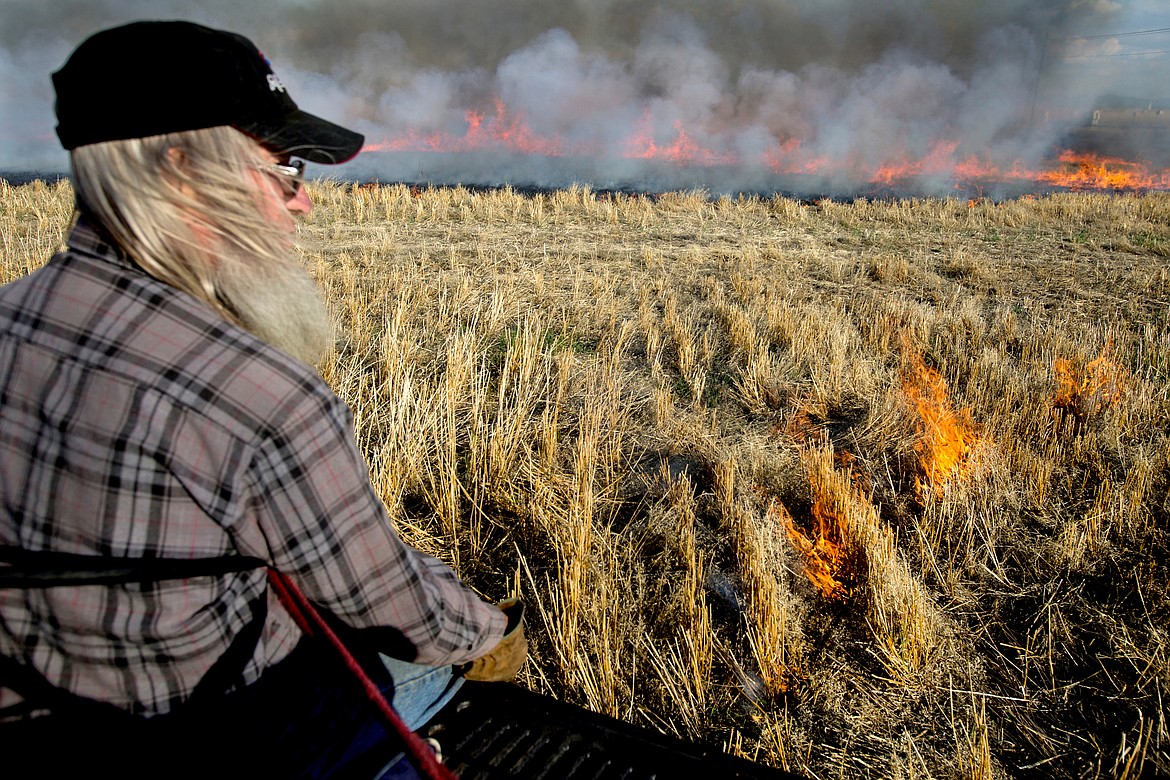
point(594, 82)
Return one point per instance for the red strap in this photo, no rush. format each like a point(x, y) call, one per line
point(314, 625)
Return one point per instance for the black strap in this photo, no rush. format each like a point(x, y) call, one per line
point(43, 569)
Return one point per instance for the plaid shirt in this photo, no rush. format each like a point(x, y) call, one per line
point(136, 422)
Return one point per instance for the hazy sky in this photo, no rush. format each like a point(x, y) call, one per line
point(844, 77)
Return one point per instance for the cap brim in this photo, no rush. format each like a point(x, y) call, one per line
point(309, 137)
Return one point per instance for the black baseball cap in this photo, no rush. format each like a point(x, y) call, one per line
point(150, 78)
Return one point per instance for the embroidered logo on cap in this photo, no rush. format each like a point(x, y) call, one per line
point(274, 83)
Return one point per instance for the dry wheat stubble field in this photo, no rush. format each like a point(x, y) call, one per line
point(854, 489)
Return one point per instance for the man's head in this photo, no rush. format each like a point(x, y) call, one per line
point(174, 131)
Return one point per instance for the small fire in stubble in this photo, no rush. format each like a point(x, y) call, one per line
point(1087, 389)
point(947, 437)
point(824, 547)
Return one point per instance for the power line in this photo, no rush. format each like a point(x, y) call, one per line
point(1118, 54)
point(1114, 35)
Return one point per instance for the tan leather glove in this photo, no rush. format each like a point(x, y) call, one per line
point(505, 659)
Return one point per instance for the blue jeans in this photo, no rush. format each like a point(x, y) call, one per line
point(419, 693)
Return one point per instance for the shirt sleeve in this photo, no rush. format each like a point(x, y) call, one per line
point(323, 525)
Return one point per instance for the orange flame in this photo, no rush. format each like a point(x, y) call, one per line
point(508, 132)
point(788, 158)
point(939, 161)
point(682, 149)
point(1087, 389)
point(1092, 172)
point(829, 563)
point(946, 436)
point(822, 548)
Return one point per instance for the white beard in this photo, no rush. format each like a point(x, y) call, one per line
point(281, 306)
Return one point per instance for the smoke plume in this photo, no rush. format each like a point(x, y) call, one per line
point(619, 93)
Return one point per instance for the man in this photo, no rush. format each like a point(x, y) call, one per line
point(158, 404)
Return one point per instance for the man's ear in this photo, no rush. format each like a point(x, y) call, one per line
point(176, 171)
point(176, 157)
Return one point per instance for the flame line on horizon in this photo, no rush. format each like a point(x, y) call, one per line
point(504, 131)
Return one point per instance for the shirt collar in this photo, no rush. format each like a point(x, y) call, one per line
point(88, 239)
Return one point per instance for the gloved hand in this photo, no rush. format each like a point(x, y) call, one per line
point(505, 659)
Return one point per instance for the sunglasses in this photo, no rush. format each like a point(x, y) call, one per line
point(290, 177)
